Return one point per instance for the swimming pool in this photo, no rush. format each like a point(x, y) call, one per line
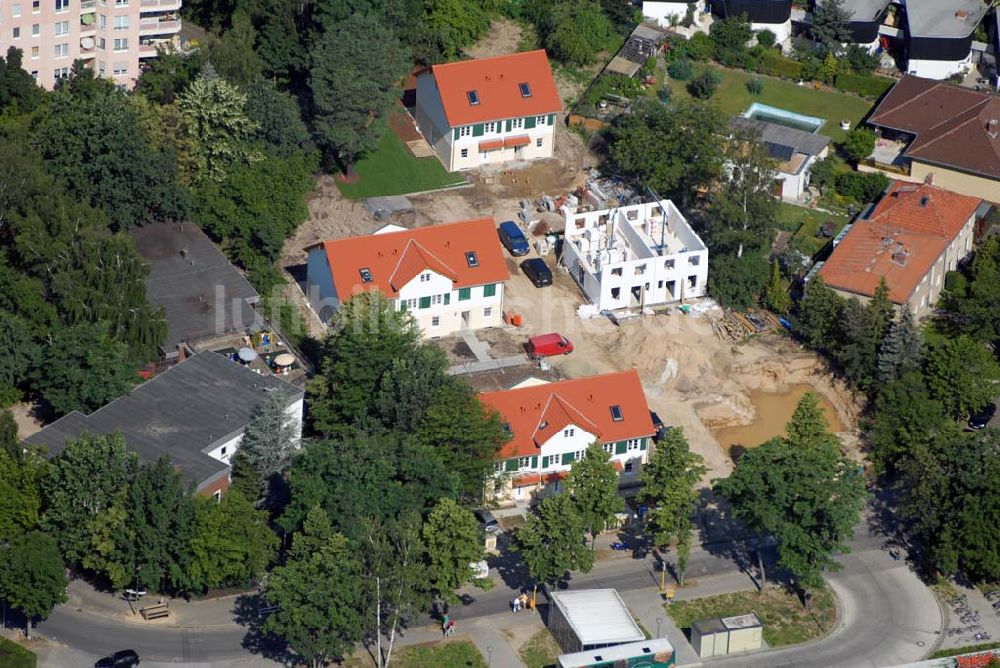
point(769, 114)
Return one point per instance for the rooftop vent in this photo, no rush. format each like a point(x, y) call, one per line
point(961, 15)
point(525, 89)
point(366, 274)
point(900, 256)
point(473, 97)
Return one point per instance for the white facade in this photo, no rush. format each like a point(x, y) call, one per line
point(938, 69)
point(782, 32)
point(470, 146)
point(670, 14)
point(635, 256)
point(794, 184)
point(224, 451)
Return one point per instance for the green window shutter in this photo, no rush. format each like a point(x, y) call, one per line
point(402, 304)
point(477, 130)
point(507, 125)
point(545, 462)
point(447, 299)
point(552, 119)
point(529, 122)
point(456, 132)
point(534, 461)
point(642, 444)
point(510, 465)
point(621, 447)
point(425, 302)
point(490, 290)
point(464, 294)
point(568, 457)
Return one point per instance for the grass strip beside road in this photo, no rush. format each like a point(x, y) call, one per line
point(13, 655)
point(541, 650)
point(785, 621)
point(968, 649)
point(458, 654)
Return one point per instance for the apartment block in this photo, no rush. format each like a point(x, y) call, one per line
point(113, 37)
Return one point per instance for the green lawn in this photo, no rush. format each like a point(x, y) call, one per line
point(541, 650)
point(392, 170)
point(734, 98)
point(804, 223)
point(461, 654)
point(13, 655)
point(785, 621)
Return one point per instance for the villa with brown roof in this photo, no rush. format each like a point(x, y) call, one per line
point(551, 425)
point(448, 276)
point(930, 128)
point(911, 237)
point(489, 110)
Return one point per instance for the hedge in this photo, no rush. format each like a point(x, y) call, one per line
point(774, 64)
point(13, 655)
point(866, 86)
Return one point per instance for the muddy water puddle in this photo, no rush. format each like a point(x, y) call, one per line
point(774, 410)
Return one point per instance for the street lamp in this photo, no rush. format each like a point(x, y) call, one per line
point(489, 656)
point(659, 621)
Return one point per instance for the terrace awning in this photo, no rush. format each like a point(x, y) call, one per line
point(490, 145)
point(520, 140)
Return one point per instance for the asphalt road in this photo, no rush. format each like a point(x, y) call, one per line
point(887, 612)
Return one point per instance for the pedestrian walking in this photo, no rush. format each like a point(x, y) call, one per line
point(516, 604)
point(523, 598)
point(450, 629)
point(444, 623)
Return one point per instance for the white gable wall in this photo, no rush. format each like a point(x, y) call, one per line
point(447, 306)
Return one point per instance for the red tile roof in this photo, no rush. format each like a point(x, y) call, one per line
point(583, 402)
point(954, 126)
point(395, 258)
point(901, 239)
point(496, 82)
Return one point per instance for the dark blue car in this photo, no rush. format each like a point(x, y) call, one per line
point(513, 238)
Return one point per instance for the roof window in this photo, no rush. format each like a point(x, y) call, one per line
point(616, 413)
point(525, 89)
point(366, 274)
point(473, 97)
point(472, 259)
point(543, 424)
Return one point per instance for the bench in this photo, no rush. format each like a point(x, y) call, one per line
point(155, 611)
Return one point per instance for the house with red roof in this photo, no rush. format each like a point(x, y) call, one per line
point(551, 425)
point(489, 110)
point(448, 276)
point(911, 238)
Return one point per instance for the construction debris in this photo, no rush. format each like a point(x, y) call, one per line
point(732, 327)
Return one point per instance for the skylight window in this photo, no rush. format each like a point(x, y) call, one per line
point(616, 413)
point(525, 89)
point(366, 274)
point(471, 259)
point(473, 97)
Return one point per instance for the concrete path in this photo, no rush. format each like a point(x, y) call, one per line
point(488, 365)
point(480, 349)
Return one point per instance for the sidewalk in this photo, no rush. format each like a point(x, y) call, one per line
point(496, 636)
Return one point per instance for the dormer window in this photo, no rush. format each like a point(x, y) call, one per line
point(525, 89)
point(366, 274)
point(473, 97)
point(616, 413)
point(471, 259)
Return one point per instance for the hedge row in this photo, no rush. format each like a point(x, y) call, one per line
point(772, 63)
point(866, 86)
point(13, 655)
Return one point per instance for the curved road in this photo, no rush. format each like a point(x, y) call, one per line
point(888, 616)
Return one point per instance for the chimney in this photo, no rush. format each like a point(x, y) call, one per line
point(929, 179)
point(961, 15)
point(181, 352)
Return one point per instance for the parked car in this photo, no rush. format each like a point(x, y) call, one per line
point(983, 417)
point(126, 658)
point(546, 345)
point(480, 569)
point(490, 524)
point(661, 429)
point(513, 238)
point(537, 272)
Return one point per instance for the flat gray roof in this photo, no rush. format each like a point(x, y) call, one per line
point(799, 141)
point(598, 616)
point(202, 294)
point(182, 413)
point(942, 18)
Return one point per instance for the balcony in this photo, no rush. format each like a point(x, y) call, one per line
point(159, 26)
point(88, 6)
point(159, 5)
point(888, 157)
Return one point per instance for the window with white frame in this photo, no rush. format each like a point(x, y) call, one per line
point(524, 463)
point(34, 74)
point(121, 22)
point(101, 43)
point(578, 455)
point(62, 5)
point(410, 304)
point(541, 120)
point(538, 142)
point(488, 311)
point(15, 33)
point(119, 69)
point(497, 467)
point(517, 123)
point(629, 467)
point(61, 50)
point(36, 29)
point(34, 52)
point(61, 28)
point(490, 127)
point(121, 44)
point(567, 433)
point(609, 448)
point(465, 131)
point(437, 300)
point(424, 278)
point(465, 153)
point(102, 68)
point(435, 321)
point(15, 10)
point(60, 73)
point(121, 3)
point(217, 495)
point(632, 444)
point(102, 21)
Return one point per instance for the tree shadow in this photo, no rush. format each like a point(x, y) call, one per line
point(250, 611)
point(509, 565)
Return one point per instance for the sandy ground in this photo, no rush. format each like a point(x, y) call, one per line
point(503, 37)
point(27, 422)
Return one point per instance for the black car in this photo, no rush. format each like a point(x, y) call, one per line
point(126, 658)
point(537, 272)
point(983, 417)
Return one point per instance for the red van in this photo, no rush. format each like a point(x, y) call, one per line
point(546, 345)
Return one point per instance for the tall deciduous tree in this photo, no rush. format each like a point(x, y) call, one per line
point(20, 502)
point(575, 31)
point(592, 484)
point(232, 544)
point(552, 541)
point(975, 309)
point(800, 490)
point(962, 374)
point(32, 576)
point(453, 24)
point(319, 593)
point(452, 539)
point(818, 315)
point(357, 66)
point(17, 86)
point(668, 489)
point(904, 418)
point(742, 207)
point(83, 481)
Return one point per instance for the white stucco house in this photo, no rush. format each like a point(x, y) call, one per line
point(635, 256)
point(671, 13)
point(448, 276)
point(489, 110)
point(794, 152)
point(551, 425)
